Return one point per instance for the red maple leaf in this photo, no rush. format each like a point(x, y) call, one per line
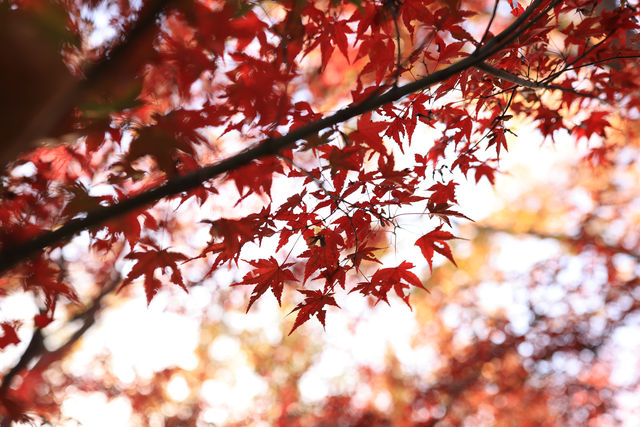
point(228, 236)
point(443, 193)
point(9, 335)
point(397, 278)
point(267, 274)
point(256, 177)
point(313, 304)
point(442, 211)
point(366, 253)
point(368, 133)
point(499, 140)
point(334, 275)
point(486, 171)
point(596, 123)
point(44, 275)
point(435, 241)
point(349, 158)
point(324, 251)
point(146, 266)
point(47, 276)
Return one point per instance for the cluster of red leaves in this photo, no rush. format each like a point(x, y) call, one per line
point(242, 69)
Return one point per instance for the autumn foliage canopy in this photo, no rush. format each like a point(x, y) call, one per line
point(282, 147)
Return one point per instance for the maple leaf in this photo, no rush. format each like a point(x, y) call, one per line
point(435, 241)
point(146, 265)
point(256, 177)
point(45, 275)
point(129, 226)
point(486, 171)
point(313, 304)
point(349, 158)
point(364, 254)
point(159, 144)
point(295, 222)
point(448, 51)
point(443, 193)
point(549, 121)
point(267, 274)
point(79, 201)
point(297, 200)
point(9, 335)
point(442, 211)
point(55, 163)
point(333, 275)
point(368, 133)
point(324, 251)
point(595, 124)
point(499, 140)
point(355, 226)
point(235, 233)
point(397, 278)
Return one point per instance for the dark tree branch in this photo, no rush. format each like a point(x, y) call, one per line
point(271, 146)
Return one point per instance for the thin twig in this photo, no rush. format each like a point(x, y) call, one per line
point(520, 81)
point(600, 61)
point(495, 123)
point(493, 15)
point(578, 58)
